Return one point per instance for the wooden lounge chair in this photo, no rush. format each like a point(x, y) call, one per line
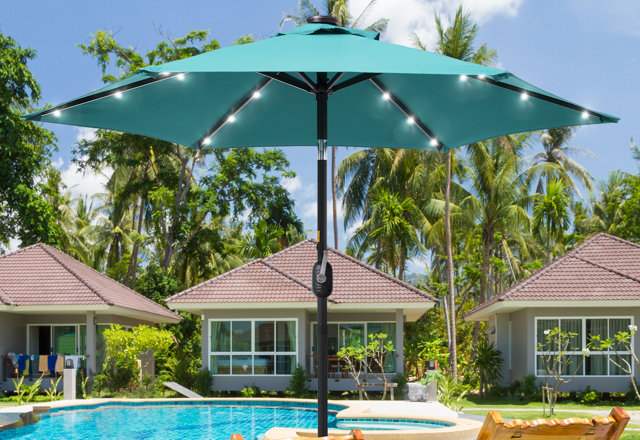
point(355, 434)
point(575, 428)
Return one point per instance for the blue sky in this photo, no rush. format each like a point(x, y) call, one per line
point(583, 50)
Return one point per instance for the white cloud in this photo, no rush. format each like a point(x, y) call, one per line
point(82, 183)
point(85, 133)
point(407, 17)
point(292, 185)
point(310, 210)
point(352, 229)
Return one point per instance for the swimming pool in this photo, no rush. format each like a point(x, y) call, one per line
point(183, 419)
point(138, 421)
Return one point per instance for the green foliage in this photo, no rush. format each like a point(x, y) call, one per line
point(26, 393)
point(25, 148)
point(589, 396)
point(83, 382)
point(452, 392)
point(488, 363)
point(298, 385)
point(402, 379)
point(203, 382)
point(52, 392)
point(431, 376)
point(252, 391)
point(181, 369)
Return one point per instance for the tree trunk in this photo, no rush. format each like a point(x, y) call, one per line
point(484, 276)
point(334, 190)
point(453, 349)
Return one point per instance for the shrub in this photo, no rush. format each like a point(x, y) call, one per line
point(488, 364)
point(298, 383)
point(589, 396)
point(530, 389)
point(451, 392)
point(401, 389)
point(203, 382)
point(252, 391)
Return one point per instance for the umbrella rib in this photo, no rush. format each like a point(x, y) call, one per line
point(309, 82)
point(353, 81)
point(334, 80)
point(206, 139)
point(106, 94)
point(534, 94)
point(433, 140)
point(289, 80)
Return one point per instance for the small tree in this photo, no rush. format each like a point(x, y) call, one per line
point(557, 362)
point(371, 356)
point(620, 342)
point(123, 347)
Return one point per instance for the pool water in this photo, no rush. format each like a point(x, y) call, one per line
point(214, 420)
point(162, 422)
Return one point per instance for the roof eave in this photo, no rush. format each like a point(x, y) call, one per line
point(101, 308)
point(513, 306)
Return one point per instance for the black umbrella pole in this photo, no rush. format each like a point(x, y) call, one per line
point(323, 349)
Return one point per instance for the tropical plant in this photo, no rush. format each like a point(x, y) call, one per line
point(488, 363)
point(298, 385)
point(555, 162)
point(551, 214)
point(456, 42)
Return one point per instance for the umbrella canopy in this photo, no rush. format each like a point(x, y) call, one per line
point(363, 92)
point(382, 95)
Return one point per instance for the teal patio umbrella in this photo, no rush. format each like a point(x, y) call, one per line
point(315, 84)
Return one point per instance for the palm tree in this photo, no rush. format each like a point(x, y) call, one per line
point(340, 10)
point(496, 202)
point(456, 42)
point(551, 213)
point(390, 236)
point(554, 162)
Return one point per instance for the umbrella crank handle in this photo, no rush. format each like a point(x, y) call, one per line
point(322, 276)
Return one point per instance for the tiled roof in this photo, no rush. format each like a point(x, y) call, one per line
point(604, 267)
point(40, 275)
point(286, 277)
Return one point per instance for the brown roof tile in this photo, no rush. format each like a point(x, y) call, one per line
point(604, 267)
point(286, 277)
point(40, 275)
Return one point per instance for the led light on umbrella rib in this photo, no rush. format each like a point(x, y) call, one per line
point(256, 94)
point(386, 96)
point(206, 141)
point(231, 119)
point(180, 77)
point(118, 95)
point(463, 78)
point(482, 76)
point(57, 113)
point(524, 96)
point(585, 114)
point(434, 142)
point(411, 120)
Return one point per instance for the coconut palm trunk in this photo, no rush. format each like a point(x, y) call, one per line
point(453, 352)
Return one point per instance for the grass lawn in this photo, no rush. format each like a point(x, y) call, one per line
point(473, 402)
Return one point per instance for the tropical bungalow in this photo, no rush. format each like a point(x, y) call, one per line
point(592, 290)
point(53, 306)
point(259, 320)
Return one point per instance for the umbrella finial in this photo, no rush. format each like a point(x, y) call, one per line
point(324, 19)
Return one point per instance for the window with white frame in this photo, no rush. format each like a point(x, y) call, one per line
point(597, 363)
point(345, 334)
point(253, 347)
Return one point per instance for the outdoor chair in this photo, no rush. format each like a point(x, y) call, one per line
point(575, 428)
point(355, 434)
